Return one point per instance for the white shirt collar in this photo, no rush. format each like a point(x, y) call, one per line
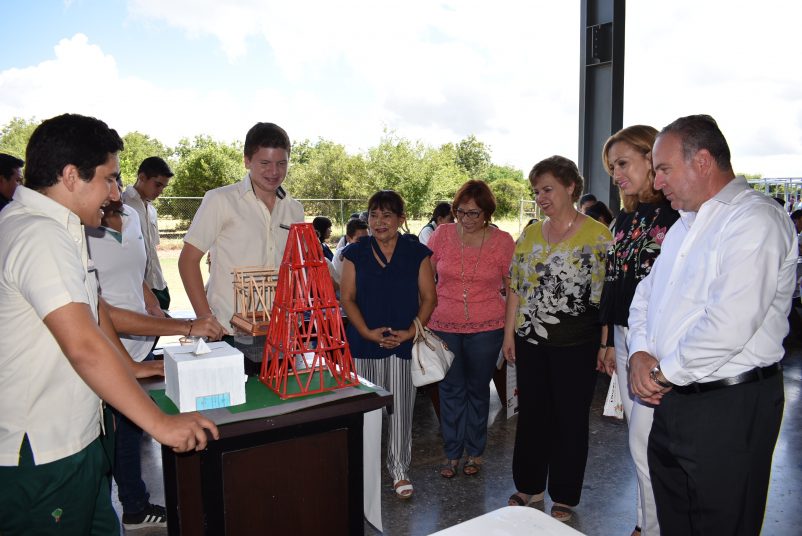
point(46, 206)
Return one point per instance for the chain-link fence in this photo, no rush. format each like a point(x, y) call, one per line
point(337, 210)
point(176, 213)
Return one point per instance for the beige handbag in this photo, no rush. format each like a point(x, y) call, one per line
point(431, 357)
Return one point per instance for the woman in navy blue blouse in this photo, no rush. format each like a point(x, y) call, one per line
point(387, 281)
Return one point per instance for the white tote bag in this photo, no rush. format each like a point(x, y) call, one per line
point(613, 407)
point(430, 356)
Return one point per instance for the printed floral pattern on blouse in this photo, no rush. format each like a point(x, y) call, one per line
point(637, 245)
point(639, 237)
point(554, 286)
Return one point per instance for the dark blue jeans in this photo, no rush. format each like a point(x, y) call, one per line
point(127, 470)
point(465, 391)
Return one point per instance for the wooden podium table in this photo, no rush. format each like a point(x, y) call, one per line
point(295, 473)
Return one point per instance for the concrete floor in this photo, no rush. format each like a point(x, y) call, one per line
point(608, 496)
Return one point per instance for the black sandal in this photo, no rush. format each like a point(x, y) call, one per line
point(532, 500)
point(516, 499)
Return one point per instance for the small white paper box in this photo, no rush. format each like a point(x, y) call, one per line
point(207, 381)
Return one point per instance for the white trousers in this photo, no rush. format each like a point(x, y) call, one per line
point(639, 419)
point(394, 375)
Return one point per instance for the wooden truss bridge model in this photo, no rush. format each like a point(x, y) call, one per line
point(254, 291)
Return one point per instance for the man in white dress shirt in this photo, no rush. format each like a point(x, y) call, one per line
point(705, 337)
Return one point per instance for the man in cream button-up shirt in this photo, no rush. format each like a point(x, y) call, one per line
point(243, 224)
point(705, 337)
point(153, 176)
point(57, 360)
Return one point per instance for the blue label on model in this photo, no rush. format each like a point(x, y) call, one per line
point(221, 400)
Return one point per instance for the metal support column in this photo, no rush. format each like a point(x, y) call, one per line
point(601, 91)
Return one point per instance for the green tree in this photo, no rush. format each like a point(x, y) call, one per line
point(302, 151)
point(205, 166)
point(325, 170)
point(398, 164)
point(473, 156)
point(508, 194)
point(421, 174)
point(201, 167)
point(15, 134)
point(445, 178)
point(139, 146)
point(202, 141)
point(495, 172)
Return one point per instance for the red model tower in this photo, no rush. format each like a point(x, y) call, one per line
point(305, 355)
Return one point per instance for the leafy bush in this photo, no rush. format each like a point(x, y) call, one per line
point(508, 194)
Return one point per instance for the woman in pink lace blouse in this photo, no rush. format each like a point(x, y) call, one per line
point(472, 262)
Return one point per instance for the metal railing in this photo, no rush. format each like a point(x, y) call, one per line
point(527, 209)
point(789, 189)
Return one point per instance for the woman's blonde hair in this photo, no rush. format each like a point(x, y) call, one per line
point(641, 138)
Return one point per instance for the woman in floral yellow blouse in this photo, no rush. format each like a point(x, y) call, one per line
point(552, 335)
point(639, 231)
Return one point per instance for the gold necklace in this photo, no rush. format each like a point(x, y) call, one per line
point(465, 287)
point(562, 237)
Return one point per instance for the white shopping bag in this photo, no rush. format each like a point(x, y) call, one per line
point(512, 391)
point(613, 407)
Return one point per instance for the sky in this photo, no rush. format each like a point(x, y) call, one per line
point(431, 71)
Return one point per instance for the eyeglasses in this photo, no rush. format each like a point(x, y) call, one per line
point(471, 214)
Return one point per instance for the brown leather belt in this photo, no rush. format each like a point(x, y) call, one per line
point(754, 375)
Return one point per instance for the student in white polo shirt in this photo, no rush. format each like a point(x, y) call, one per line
point(243, 224)
point(57, 360)
point(118, 251)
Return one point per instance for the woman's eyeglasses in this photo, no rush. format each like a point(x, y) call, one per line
point(471, 214)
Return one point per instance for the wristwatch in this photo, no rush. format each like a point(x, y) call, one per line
point(658, 377)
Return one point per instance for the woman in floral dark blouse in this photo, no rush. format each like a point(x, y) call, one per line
point(639, 231)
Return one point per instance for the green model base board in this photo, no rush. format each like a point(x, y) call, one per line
point(257, 394)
